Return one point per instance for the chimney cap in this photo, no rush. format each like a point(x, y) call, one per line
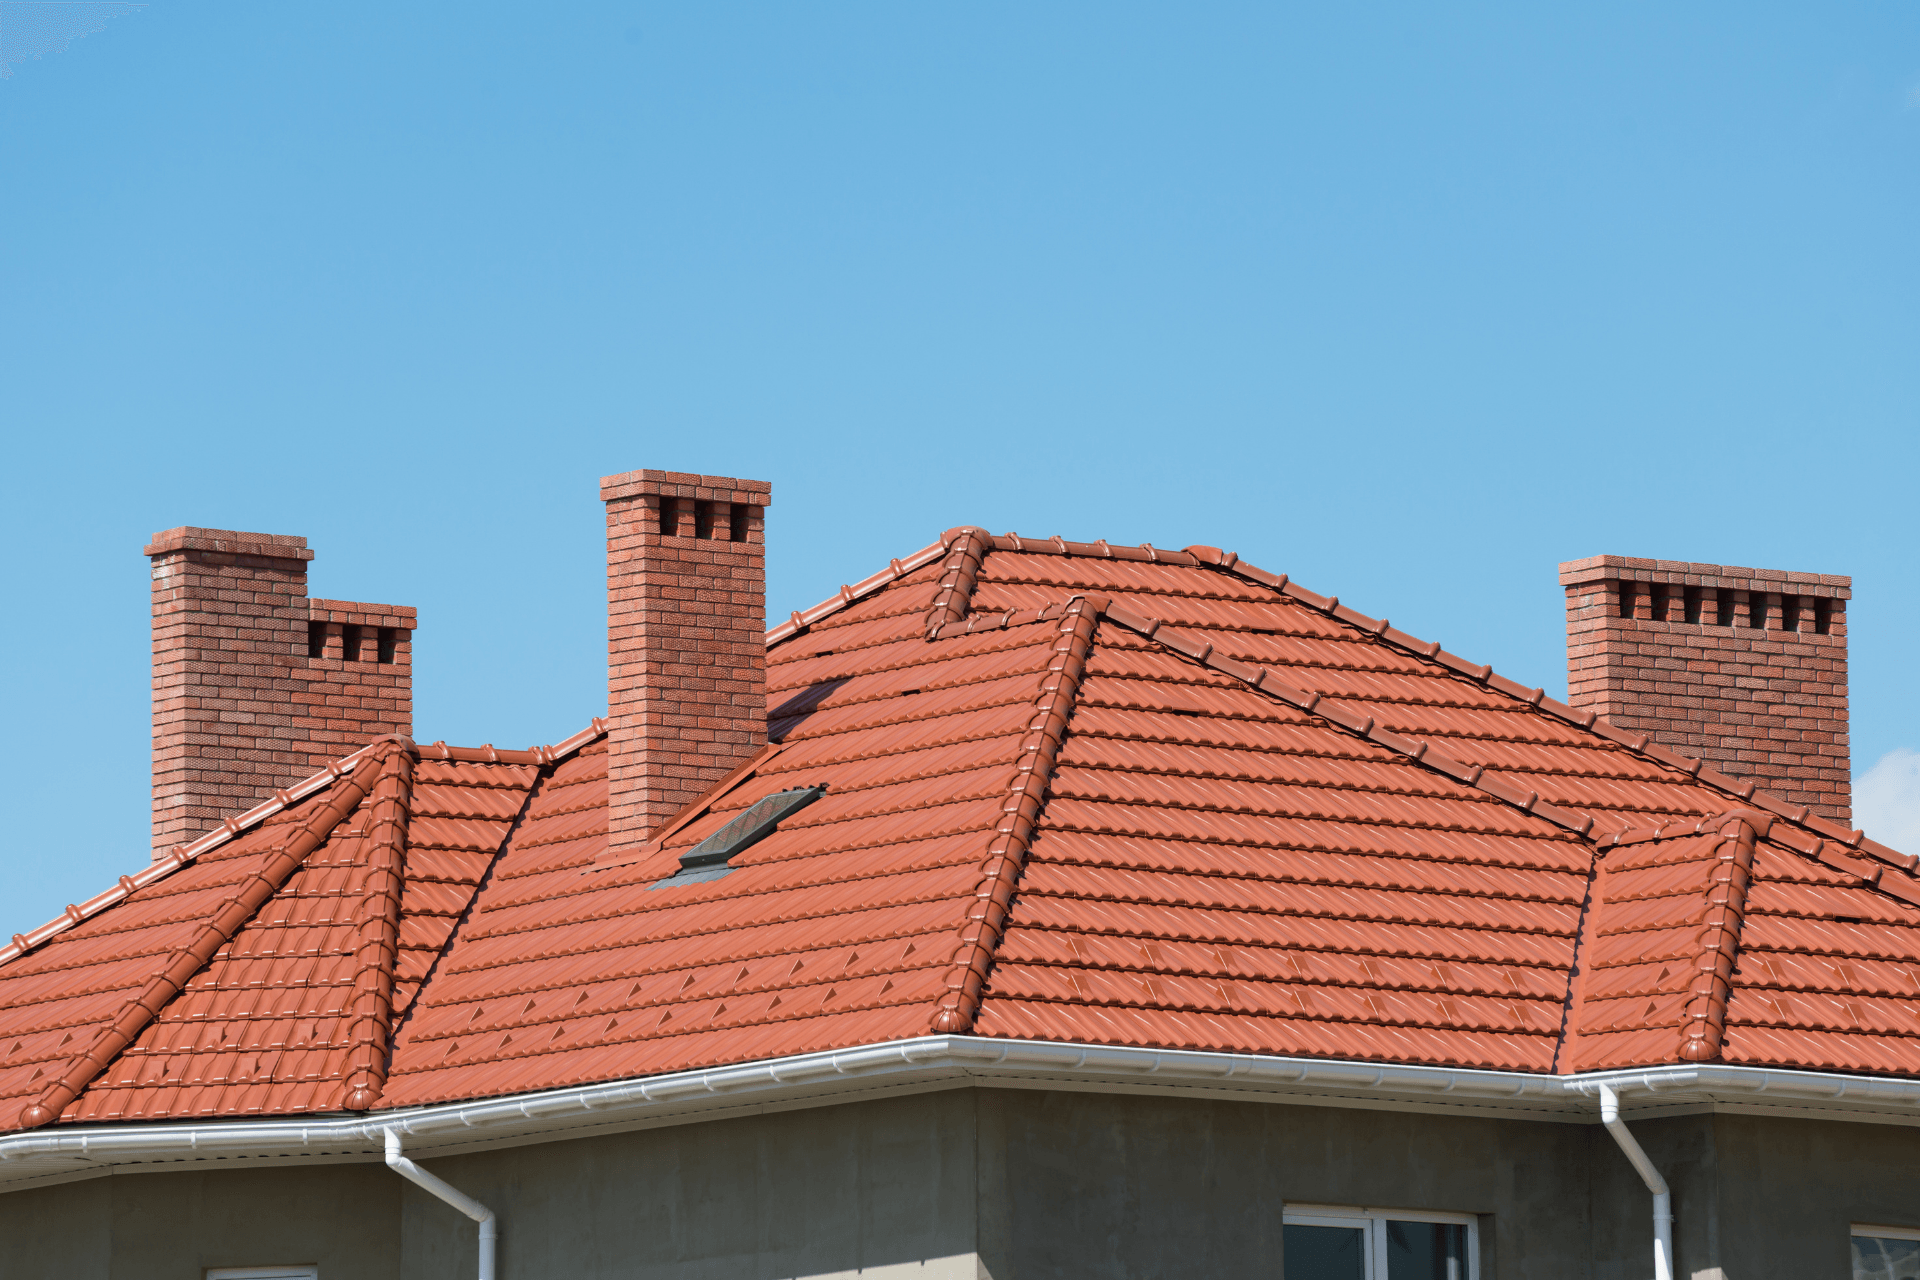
point(684, 484)
point(1575, 573)
point(279, 546)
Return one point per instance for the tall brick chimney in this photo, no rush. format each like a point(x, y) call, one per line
point(256, 686)
point(1743, 668)
point(686, 648)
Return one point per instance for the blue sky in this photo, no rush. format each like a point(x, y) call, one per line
point(1410, 304)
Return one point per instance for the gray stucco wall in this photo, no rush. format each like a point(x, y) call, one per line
point(827, 1191)
point(1011, 1184)
point(174, 1226)
point(1789, 1192)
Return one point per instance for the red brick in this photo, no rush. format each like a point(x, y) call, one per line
point(686, 655)
point(239, 709)
point(1759, 703)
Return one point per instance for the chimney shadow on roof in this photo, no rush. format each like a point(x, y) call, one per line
point(792, 713)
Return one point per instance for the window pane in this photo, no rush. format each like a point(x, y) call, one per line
point(1427, 1251)
point(1877, 1258)
point(1325, 1253)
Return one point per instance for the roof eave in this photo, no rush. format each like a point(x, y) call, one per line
point(941, 1062)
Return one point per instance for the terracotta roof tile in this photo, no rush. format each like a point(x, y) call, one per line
point(1072, 792)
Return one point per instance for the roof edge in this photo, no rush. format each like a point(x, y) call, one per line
point(190, 957)
point(945, 1062)
point(1482, 673)
point(1639, 743)
point(181, 854)
point(801, 619)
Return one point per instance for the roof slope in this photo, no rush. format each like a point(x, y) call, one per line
point(1072, 792)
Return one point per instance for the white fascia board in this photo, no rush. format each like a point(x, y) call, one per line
point(62, 1153)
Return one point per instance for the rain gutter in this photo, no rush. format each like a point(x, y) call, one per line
point(930, 1062)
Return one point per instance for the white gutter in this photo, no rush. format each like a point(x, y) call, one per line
point(1662, 1201)
point(489, 1229)
point(934, 1062)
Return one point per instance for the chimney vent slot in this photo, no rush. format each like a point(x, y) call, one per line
point(703, 521)
point(1705, 642)
point(350, 642)
point(316, 639)
point(737, 522)
point(389, 644)
point(669, 517)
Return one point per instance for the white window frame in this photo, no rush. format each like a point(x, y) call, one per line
point(1374, 1221)
point(263, 1273)
point(1866, 1231)
point(1886, 1233)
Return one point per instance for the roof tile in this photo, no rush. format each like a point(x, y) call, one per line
point(1203, 808)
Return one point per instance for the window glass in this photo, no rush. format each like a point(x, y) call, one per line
point(1325, 1253)
point(1427, 1251)
point(1883, 1258)
point(1328, 1242)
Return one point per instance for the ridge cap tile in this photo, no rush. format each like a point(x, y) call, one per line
point(1103, 799)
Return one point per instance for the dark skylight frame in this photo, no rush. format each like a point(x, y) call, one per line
point(710, 859)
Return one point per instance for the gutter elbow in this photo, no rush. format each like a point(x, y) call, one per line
point(443, 1191)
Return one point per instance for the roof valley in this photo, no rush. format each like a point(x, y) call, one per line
point(473, 905)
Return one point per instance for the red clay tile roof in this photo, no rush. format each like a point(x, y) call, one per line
point(1073, 792)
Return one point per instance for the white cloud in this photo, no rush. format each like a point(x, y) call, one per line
point(1886, 800)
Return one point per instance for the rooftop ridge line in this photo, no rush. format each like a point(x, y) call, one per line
point(801, 619)
point(1639, 743)
point(1705, 1028)
point(188, 959)
point(370, 1026)
point(954, 598)
point(1802, 841)
point(1770, 826)
point(1020, 815)
point(1421, 752)
point(181, 854)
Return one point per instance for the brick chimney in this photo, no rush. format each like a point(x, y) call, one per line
point(1743, 668)
point(256, 686)
point(686, 647)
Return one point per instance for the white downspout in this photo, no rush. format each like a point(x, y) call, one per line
point(489, 1229)
point(1662, 1202)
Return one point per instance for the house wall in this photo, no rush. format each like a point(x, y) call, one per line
point(874, 1188)
point(1008, 1184)
point(1085, 1184)
point(1788, 1192)
point(174, 1226)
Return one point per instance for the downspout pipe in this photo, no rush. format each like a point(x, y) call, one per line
point(1662, 1201)
point(489, 1229)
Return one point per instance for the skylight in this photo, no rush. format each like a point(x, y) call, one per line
point(709, 860)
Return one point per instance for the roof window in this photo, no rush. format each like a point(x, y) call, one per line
point(709, 860)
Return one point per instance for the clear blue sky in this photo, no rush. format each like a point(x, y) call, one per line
point(1410, 302)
